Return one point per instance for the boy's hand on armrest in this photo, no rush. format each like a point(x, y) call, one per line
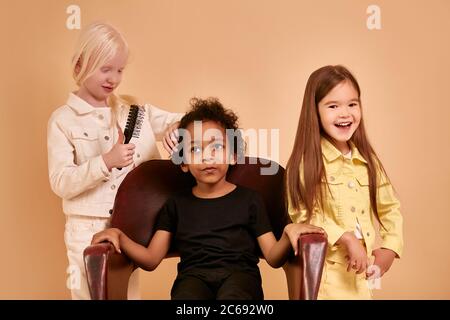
point(111, 235)
point(294, 230)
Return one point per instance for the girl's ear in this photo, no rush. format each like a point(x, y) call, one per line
point(78, 66)
point(77, 69)
point(184, 167)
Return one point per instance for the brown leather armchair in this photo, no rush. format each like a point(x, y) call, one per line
point(142, 194)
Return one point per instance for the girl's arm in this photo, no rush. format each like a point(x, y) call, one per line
point(161, 120)
point(68, 179)
point(383, 260)
point(389, 212)
point(146, 258)
point(276, 252)
point(391, 232)
point(170, 139)
point(333, 231)
point(356, 253)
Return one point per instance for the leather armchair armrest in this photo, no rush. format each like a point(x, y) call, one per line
point(107, 272)
point(304, 272)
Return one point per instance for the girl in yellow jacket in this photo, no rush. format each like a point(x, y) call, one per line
point(336, 181)
point(85, 145)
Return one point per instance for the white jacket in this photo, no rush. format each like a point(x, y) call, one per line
point(77, 136)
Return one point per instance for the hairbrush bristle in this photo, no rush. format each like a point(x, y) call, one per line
point(134, 122)
point(138, 124)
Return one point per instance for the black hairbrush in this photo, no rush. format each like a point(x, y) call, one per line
point(134, 123)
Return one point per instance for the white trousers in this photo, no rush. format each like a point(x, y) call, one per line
point(77, 236)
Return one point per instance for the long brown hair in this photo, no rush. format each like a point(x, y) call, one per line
point(307, 151)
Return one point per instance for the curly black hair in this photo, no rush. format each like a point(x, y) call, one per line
point(211, 109)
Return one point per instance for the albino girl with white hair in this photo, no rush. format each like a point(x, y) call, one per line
point(87, 156)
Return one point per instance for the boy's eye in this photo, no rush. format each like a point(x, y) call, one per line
point(196, 149)
point(354, 104)
point(218, 146)
point(104, 69)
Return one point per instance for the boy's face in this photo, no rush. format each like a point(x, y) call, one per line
point(206, 154)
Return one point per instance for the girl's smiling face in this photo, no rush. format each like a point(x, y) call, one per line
point(340, 114)
point(100, 85)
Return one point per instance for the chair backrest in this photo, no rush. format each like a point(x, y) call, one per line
point(145, 189)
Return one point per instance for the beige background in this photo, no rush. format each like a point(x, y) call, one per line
point(256, 57)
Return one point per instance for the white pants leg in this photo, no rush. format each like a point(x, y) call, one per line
point(77, 236)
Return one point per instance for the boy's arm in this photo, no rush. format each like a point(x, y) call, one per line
point(146, 258)
point(276, 252)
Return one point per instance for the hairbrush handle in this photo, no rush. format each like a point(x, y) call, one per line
point(134, 124)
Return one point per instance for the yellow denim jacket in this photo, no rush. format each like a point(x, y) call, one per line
point(349, 203)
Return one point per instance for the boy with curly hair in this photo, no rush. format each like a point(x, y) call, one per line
point(217, 226)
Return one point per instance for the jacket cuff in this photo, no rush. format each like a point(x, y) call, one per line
point(394, 244)
point(101, 165)
point(334, 233)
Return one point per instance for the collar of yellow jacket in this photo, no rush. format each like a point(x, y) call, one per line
point(331, 153)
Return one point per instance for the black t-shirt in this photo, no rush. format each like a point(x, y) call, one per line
point(216, 233)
